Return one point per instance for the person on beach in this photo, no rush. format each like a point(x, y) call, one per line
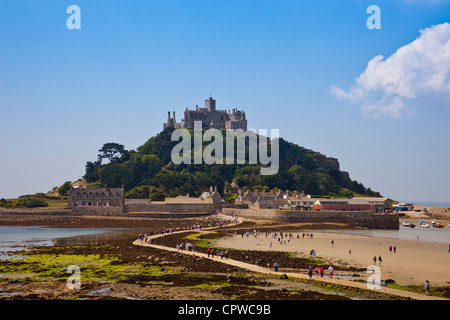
point(330, 271)
point(310, 271)
point(379, 259)
point(209, 252)
point(427, 287)
point(332, 243)
point(374, 260)
point(275, 267)
point(395, 249)
point(321, 272)
point(316, 270)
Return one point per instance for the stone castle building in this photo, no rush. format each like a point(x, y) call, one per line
point(210, 118)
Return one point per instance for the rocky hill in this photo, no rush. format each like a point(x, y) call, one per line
point(150, 172)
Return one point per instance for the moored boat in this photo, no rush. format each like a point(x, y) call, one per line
point(437, 224)
point(424, 225)
point(401, 207)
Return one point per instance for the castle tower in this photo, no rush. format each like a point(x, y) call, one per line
point(210, 104)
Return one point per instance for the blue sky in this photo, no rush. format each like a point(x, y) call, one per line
point(64, 93)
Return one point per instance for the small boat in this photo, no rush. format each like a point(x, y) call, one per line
point(412, 225)
point(401, 207)
point(437, 224)
point(424, 225)
point(406, 224)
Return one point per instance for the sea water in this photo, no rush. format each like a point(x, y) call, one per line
point(19, 238)
point(444, 204)
point(403, 233)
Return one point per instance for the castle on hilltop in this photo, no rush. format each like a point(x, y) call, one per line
point(210, 118)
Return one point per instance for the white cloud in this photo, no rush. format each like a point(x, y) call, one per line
point(420, 69)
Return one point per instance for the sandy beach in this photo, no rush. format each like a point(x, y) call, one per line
point(413, 263)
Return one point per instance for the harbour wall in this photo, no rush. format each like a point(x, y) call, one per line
point(354, 219)
point(169, 207)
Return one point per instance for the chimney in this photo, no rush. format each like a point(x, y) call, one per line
point(168, 115)
point(174, 117)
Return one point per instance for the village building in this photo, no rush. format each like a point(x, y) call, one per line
point(212, 194)
point(96, 197)
point(269, 200)
point(374, 204)
point(304, 203)
point(232, 187)
point(300, 202)
point(208, 202)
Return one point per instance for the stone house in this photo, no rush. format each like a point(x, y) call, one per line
point(96, 197)
point(212, 194)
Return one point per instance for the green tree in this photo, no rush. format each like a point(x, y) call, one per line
point(111, 151)
point(91, 171)
point(65, 188)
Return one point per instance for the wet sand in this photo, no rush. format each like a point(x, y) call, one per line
point(413, 263)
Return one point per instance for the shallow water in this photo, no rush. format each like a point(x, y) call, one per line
point(403, 233)
point(19, 238)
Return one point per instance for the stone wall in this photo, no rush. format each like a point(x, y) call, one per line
point(98, 211)
point(169, 207)
point(364, 219)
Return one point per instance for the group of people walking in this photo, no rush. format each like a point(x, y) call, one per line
point(216, 253)
point(319, 271)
